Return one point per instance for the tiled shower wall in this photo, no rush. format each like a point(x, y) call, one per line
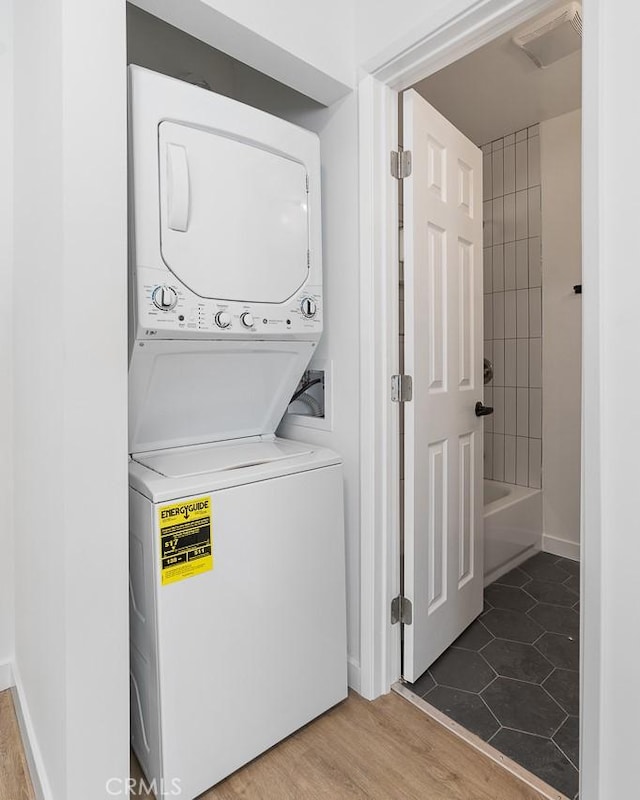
point(513, 308)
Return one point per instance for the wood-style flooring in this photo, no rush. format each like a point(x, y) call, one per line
point(384, 750)
point(14, 775)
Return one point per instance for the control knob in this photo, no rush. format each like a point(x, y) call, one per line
point(247, 320)
point(164, 297)
point(308, 307)
point(223, 320)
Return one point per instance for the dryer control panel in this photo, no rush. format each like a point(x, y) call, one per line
point(167, 310)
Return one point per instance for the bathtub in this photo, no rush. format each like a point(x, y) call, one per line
point(512, 527)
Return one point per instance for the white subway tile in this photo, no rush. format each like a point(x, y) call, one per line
point(498, 362)
point(488, 456)
point(522, 412)
point(534, 211)
point(498, 144)
point(535, 312)
point(487, 184)
point(488, 316)
point(522, 313)
point(488, 401)
point(534, 161)
point(488, 349)
point(509, 168)
point(535, 363)
point(509, 217)
point(498, 457)
point(521, 135)
point(510, 411)
point(487, 222)
point(522, 264)
point(535, 413)
point(510, 329)
point(510, 265)
point(498, 267)
point(522, 461)
point(498, 220)
point(522, 361)
point(487, 269)
point(535, 262)
point(510, 459)
point(498, 409)
point(533, 130)
point(510, 362)
point(535, 463)
point(521, 165)
point(522, 226)
point(486, 148)
point(497, 173)
point(510, 139)
point(498, 315)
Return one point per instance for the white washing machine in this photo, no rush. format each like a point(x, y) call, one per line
point(238, 621)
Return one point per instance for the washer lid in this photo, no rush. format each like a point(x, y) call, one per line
point(194, 392)
point(234, 217)
point(185, 462)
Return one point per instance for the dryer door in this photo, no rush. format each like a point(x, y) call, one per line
point(234, 218)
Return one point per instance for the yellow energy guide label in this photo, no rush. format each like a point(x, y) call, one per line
point(186, 539)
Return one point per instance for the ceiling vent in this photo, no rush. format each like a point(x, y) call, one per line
point(553, 36)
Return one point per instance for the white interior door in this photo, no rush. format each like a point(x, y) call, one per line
point(443, 353)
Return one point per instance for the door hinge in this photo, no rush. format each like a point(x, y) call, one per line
point(401, 388)
point(400, 164)
point(401, 610)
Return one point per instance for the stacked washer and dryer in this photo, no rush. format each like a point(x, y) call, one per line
point(237, 577)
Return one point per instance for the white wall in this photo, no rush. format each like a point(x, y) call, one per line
point(562, 331)
point(154, 44)
point(70, 361)
point(6, 338)
point(309, 47)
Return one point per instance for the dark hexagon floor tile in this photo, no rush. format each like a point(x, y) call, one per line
point(541, 757)
point(556, 619)
point(466, 709)
point(572, 567)
point(564, 686)
point(517, 660)
point(462, 669)
point(424, 684)
point(509, 597)
point(561, 651)
point(524, 706)
point(568, 740)
point(573, 584)
point(543, 567)
point(506, 624)
point(474, 637)
point(548, 592)
point(516, 577)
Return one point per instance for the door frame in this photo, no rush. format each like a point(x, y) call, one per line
point(448, 35)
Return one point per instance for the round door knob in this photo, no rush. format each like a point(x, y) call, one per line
point(247, 320)
point(164, 297)
point(308, 307)
point(223, 320)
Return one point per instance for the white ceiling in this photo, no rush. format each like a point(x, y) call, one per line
point(497, 90)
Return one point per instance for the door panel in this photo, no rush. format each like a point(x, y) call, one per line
point(443, 352)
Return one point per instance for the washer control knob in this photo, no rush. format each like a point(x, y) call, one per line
point(247, 320)
point(223, 320)
point(308, 307)
point(164, 297)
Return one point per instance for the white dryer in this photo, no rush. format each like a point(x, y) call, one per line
point(238, 622)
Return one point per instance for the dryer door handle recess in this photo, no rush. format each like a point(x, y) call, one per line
point(177, 187)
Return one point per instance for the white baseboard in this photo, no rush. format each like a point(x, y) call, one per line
point(512, 563)
point(354, 674)
point(561, 547)
point(32, 752)
point(6, 676)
